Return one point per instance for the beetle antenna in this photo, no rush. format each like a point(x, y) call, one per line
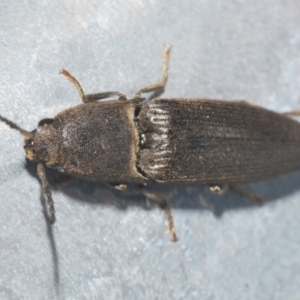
point(46, 192)
point(12, 125)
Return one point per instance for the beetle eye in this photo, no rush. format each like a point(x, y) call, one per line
point(45, 122)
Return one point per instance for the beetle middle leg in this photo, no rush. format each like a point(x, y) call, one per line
point(164, 203)
point(161, 85)
point(91, 97)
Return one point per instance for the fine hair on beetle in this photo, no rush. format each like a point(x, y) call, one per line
point(172, 141)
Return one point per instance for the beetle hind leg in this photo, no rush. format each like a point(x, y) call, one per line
point(164, 203)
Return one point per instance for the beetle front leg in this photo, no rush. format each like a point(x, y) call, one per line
point(164, 203)
point(47, 193)
point(91, 97)
point(161, 85)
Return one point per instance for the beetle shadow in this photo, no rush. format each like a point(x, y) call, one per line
point(192, 197)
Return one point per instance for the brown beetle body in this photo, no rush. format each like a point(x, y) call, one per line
point(170, 141)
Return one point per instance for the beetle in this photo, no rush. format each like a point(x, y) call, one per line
point(170, 141)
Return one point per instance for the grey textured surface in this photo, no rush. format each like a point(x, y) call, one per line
point(106, 245)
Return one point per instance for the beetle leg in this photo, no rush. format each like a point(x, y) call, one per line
point(219, 189)
point(91, 97)
point(161, 85)
point(105, 95)
point(164, 203)
point(46, 192)
point(252, 196)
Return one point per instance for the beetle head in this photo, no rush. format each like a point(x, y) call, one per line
point(44, 142)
